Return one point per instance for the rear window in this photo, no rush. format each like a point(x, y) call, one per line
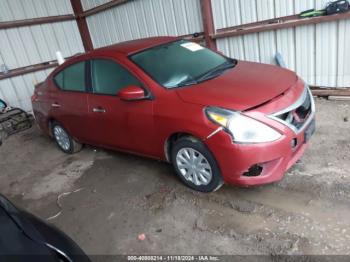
point(72, 78)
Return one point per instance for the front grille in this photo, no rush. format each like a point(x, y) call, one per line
point(298, 114)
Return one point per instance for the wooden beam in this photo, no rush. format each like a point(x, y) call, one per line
point(259, 23)
point(82, 25)
point(28, 69)
point(36, 21)
point(103, 7)
point(208, 23)
point(32, 68)
point(339, 98)
point(326, 92)
point(278, 23)
point(197, 37)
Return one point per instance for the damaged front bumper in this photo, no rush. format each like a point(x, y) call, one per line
point(262, 163)
point(257, 164)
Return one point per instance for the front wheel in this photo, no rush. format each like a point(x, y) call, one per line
point(195, 165)
point(64, 141)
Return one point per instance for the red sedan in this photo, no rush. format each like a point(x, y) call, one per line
point(216, 119)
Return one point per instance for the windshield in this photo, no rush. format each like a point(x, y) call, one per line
point(181, 63)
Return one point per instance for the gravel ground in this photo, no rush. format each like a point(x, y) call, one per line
point(123, 196)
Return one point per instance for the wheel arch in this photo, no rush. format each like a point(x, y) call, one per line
point(212, 159)
point(50, 121)
point(172, 139)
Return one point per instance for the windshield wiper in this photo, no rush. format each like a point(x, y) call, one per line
point(216, 71)
point(230, 63)
point(186, 82)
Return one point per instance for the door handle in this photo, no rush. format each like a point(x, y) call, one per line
point(56, 105)
point(99, 110)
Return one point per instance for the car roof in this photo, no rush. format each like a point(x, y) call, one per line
point(124, 48)
point(135, 46)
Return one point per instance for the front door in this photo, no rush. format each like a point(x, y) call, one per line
point(114, 123)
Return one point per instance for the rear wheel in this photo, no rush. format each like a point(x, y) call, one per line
point(195, 165)
point(64, 141)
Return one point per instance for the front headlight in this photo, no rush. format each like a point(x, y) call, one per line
point(243, 129)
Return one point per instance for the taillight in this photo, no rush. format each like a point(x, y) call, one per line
point(34, 97)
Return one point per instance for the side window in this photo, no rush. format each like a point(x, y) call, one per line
point(72, 78)
point(109, 77)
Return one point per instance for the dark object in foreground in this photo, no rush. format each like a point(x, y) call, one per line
point(23, 237)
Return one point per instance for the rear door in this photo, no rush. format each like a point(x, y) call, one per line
point(69, 100)
point(115, 123)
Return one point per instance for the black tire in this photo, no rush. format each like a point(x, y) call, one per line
point(189, 142)
point(74, 146)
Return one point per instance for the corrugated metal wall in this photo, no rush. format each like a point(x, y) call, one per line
point(29, 45)
point(317, 53)
point(320, 53)
point(18, 90)
point(24, 9)
point(143, 18)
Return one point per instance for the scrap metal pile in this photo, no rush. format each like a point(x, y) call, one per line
point(13, 120)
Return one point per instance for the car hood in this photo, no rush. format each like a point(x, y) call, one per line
point(246, 86)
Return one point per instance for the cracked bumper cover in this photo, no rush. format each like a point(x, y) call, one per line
point(276, 157)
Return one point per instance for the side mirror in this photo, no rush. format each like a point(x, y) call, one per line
point(2, 104)
point(132, 93)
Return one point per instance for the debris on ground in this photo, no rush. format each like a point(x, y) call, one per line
point(12, 121)
point(141, 237)
point(111, 215)
point(60, 205)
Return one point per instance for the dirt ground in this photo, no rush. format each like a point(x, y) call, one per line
point(122, 196)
